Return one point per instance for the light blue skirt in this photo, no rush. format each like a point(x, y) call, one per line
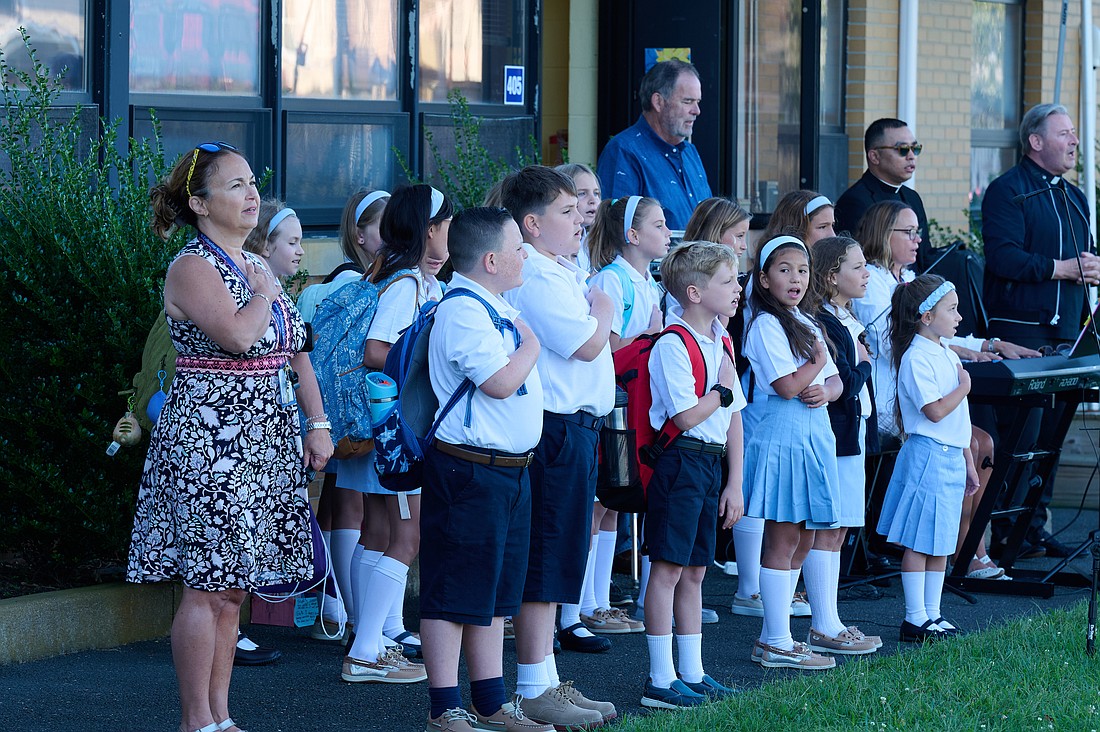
point(852, 471)
point(923, 503)
point(359, 474)
point(790, 466)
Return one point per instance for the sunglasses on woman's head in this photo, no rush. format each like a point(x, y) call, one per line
point(210, 147)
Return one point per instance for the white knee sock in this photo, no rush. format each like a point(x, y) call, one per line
point(775, 592)
point(643, 580)
point(690, 653)
point(821, 592)
point(933, 593)
point(605, 559)
point(662, 671)
point(341, 548)
point(912, 584)
point(795, 574)
point(368, 558)
point(552, 671)
point(387, 579)
point(394, 624)
point(748, 538)
point(349, 593)
point(531, 679)
point(587, 604)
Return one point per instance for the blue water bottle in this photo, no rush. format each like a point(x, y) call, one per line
point(382, 392)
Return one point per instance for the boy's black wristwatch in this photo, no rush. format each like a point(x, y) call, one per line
point(725, 394)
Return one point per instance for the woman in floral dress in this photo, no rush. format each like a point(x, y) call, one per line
point(222, 506)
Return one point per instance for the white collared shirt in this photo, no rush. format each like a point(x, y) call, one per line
point(672, 383)
point(552, 300)
point(769, 352)
point(929, 371)
point(647, 295)
point(465, 343)
point(399, 305)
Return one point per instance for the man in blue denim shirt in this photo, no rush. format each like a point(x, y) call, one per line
point(653, 157)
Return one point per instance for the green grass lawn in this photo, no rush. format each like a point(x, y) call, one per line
point(1028, 674)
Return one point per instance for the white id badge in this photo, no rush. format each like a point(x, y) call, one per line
point(286, 388)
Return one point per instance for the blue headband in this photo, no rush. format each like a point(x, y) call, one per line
point(932, 300)
point(774, 244)
point(628, 217)
point(367, 201)
point(278, 219)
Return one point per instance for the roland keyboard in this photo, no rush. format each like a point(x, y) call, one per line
point(1043, 375)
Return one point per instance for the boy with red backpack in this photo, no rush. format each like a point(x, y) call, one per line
point(687, 493)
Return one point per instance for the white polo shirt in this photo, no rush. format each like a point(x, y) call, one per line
point(465, 343)
point(552, 300)
point(672, 384)
point(769, 352)
point(647, 295)
point(399, 304)
point(930, 370)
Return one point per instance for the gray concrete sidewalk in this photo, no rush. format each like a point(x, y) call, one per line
point(132, 688)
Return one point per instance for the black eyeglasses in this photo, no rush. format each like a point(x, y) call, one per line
point(210, 147)
point(913, 234)
point(902, 150)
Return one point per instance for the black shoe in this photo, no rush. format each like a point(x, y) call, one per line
point(879, 563)
point(250, 654)
point(1053, 547)
point(619, 598)
point(912, 634)
point(570, 641)
point(952, 631)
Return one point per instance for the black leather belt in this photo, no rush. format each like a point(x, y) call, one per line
point(583, 418)
point(481, 456)
point(690, 444)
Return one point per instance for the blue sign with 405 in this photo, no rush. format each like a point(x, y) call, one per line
point(513, 85)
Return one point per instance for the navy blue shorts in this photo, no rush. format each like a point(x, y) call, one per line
point(682, 507)
point(475, 523)
point(563, 487)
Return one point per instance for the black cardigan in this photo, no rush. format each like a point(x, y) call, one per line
point(854, 374)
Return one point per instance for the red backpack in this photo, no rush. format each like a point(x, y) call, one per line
point(632, 375)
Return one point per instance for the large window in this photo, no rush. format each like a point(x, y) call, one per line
point(995, 89)
point(57, 31)
point(195, 46)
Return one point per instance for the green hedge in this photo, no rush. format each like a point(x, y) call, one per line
point(80, 281)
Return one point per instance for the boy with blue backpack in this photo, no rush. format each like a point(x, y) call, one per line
point(476, 509)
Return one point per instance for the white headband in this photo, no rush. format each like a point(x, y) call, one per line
point(278, 219)
point(437, 203)
point(367, 201)
point(817, 203)
point(774, 244)
point(628, 217)
point(933, 299)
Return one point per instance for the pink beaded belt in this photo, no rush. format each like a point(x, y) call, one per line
point(264, 365)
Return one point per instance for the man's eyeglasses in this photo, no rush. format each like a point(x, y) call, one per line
point(913, 234)
point(902, 150)
point(210, 147)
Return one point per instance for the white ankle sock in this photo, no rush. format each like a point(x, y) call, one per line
point(690, 654)
point(912, 584)
point(551, 665)
point(748, 537)
point(662, 671)
point(387, 579)
point(587, 604)
point(821, 592)
point(531, 679)
point(775, 592)
point(605, 559)
point(341, 549)
point(933, 594)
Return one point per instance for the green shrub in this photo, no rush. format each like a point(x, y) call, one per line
point(80, 283)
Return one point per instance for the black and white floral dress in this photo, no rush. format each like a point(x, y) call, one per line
point(222, 502)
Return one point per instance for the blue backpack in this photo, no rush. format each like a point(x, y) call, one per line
point(340, 328)
point(405, 426)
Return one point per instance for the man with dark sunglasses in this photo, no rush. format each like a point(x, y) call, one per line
point(892, 151)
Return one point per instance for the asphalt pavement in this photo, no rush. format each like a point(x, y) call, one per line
point(133, 688)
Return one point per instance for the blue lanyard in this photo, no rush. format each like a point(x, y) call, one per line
point(278, 314)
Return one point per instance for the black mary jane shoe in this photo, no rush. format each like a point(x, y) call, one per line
point(929, 631)
point(950, 632)
point(249, 653)
point(570, 641)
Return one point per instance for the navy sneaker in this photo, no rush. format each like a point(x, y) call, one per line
point(677, 696)
point(710, 688)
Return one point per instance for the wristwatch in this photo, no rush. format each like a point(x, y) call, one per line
point(725, 394)
point(989, 344)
